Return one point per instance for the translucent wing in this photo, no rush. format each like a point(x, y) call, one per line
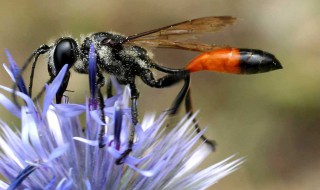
point(178, 35)
point(191, 46)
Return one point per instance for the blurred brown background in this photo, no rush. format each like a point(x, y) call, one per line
point(272, 119)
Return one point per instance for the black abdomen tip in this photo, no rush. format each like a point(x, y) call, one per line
point(257, 61)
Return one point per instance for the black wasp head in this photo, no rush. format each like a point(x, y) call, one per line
point(65, 52)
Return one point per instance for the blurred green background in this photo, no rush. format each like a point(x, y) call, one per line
point(271, 119)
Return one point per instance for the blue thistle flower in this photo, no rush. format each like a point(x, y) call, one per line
point(52, 150)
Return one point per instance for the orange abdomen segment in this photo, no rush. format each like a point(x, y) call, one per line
point(223, 60)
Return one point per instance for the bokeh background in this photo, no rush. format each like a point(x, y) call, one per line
point(271, 119)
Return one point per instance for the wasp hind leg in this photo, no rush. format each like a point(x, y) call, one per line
point(174, 76)
point(185, 93)
point(189, 109)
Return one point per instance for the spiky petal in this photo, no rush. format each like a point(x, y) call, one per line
point(52, 151)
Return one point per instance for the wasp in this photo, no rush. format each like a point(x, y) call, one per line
point(125, 58)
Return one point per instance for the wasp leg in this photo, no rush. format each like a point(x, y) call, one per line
point(100, 84)
point(134, 115)
point(184, 93)
point(178, 100)
point(189, 109)
point(41, 50)
point(169, 80)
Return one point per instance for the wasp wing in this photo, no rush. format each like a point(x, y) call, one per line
point(178, 35)
point(191, 46)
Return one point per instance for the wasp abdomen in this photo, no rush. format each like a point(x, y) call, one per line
point(234, 60)
point(256, 61)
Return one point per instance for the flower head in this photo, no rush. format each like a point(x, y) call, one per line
point(52, 150)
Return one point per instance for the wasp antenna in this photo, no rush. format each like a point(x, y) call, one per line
point(41, 50)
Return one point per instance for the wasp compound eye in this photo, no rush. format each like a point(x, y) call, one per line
point(66, 52)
